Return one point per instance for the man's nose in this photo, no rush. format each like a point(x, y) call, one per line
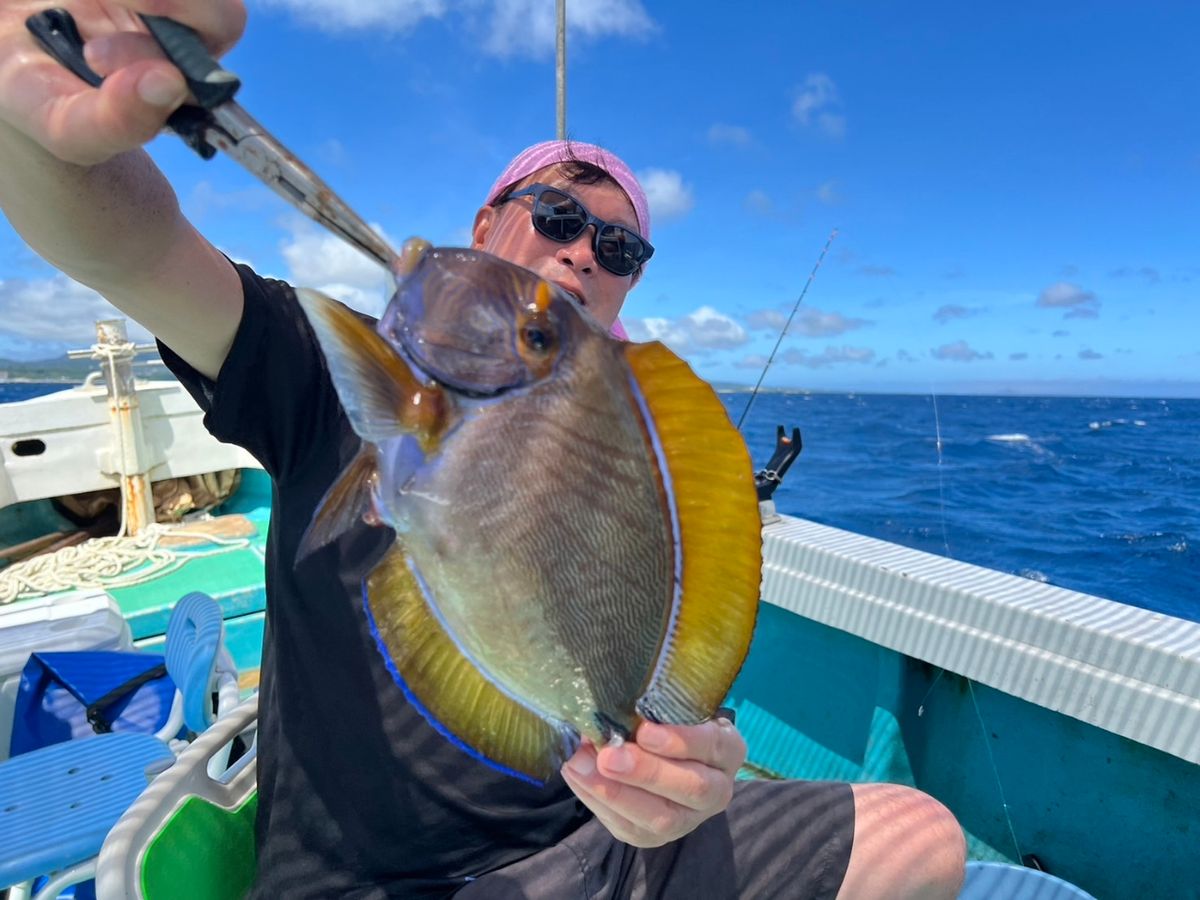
point(578, 254)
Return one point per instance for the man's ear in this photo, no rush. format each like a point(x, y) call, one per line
point(484, 219)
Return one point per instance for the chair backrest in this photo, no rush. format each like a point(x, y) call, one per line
point(195, 634)
point(1001, 881)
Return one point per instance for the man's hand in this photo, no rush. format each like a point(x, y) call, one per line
point(80, 124)
point(662, 787)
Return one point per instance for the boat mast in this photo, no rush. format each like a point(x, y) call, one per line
point(560, 71)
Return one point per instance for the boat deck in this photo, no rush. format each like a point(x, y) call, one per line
point(234, 578)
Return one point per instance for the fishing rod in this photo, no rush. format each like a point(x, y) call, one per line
point(786, 326)
point(560, 71)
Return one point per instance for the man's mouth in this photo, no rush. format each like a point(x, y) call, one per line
point(577, 293)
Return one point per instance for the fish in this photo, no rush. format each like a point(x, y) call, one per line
point(577, 534)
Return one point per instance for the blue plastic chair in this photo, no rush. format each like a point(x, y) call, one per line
point(1002, 881)
point(58, 803)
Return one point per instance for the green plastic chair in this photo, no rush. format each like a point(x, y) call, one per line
point(191, 833)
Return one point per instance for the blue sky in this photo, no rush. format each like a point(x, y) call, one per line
point(1014, 186)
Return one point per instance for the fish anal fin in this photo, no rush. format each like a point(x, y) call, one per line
point(382, 397)
point(349, 499)
point(449, 691)
point(720, 534)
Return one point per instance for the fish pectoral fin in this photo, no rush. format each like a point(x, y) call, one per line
point(720, 536)
point(382, 397)
point(344, 504)
point(457, 699)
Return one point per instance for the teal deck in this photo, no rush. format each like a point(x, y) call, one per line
point(1116, 817)
point(234, 579)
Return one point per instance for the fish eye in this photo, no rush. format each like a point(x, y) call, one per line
point(537, 337)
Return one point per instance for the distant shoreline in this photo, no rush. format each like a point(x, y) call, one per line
point(61, 380)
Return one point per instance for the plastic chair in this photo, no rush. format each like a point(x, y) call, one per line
point(1002, 881)
point(191, 827)
point(58, 803)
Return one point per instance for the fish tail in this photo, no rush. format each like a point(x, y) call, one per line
point(720, 556)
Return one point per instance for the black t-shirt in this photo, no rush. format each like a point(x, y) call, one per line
point(358, 795)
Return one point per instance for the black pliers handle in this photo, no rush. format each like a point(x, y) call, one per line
point(216, 122)
point(210, 84)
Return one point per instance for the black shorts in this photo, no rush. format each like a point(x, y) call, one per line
point(777, 839)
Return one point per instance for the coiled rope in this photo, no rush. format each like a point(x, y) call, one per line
point(107, 562)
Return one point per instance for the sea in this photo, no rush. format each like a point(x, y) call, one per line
point(1100, 495)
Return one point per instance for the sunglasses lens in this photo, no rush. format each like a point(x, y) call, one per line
point(619, 250)
point(558, 216)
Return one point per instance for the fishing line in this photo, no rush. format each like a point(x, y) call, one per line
point(995, 770)
point(937, 425)
point(786, 326)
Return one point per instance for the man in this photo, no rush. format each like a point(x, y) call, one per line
point(358, 795)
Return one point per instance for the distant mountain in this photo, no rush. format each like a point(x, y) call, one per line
point(60, 368)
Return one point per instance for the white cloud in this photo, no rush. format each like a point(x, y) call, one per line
point(830, 356)
point(668, 196)
point(758, 201)
point(347, 15)
point(766, 320)
point(959, 351)
point(54, 312)
point(753, 361)
point(828, 193)
point(704, 329)
point(529, 27)
point(954, 311)
point(319, 260)
point(1078, 303)
point(817, 104)
point(808, 322)
point(502, 27)
point(729, 134)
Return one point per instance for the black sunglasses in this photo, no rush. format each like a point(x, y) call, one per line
point(560, 217)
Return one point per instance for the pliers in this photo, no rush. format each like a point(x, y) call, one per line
point(217, 122)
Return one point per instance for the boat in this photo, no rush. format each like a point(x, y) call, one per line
point(1062, 729)
point(109, 450)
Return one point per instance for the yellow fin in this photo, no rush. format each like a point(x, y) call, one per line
point(448, 690)
point(720, 533)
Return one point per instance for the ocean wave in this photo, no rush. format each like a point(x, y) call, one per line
point(1110, 423)
point(1016, 438)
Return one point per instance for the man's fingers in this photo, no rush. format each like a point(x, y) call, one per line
point(716, 743)
point(686, 783)
point(110, 52)
point(94, 124)
point(646, 824)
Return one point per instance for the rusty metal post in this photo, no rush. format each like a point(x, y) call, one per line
point(128, 455)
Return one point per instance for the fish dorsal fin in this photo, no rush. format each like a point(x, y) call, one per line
point(344, 504)
point(720, 536)
point(382, 397)
point(449, 691)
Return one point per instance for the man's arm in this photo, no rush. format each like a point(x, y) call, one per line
point(77, 189)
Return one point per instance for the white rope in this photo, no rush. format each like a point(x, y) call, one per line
point(107, 562)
